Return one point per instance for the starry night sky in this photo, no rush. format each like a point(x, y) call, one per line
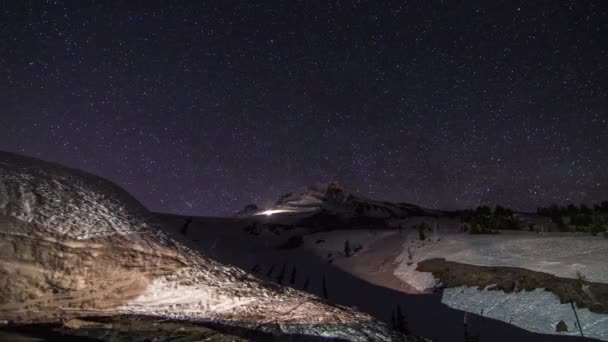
point(201, 107)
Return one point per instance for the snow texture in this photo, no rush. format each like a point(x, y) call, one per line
point(537, 311)
point(562, 256)
point(76, 217)
point(64, 201)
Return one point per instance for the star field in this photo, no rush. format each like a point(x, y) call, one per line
point(204, 107)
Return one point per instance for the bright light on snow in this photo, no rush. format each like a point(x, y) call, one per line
point(273, 211)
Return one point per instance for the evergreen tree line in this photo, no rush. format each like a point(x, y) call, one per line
point(284, 277)
point(583, 218)
point(487, 220)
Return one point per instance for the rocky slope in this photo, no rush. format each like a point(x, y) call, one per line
point(75, 245)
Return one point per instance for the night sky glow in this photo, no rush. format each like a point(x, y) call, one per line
point(201, 107)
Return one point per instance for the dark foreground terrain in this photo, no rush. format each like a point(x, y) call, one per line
point(140, 329)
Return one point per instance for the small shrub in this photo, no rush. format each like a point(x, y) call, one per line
point(561, 327)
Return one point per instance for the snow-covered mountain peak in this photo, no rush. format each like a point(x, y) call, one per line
point(334, 198)
point(314, 196)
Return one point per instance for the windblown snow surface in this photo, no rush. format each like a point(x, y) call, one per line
point(539, 311)
point(74, 244)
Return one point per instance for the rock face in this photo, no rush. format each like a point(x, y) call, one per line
point(75, 245)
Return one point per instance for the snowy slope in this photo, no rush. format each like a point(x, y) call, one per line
point(74, 245)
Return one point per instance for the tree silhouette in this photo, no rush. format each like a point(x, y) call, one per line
point(604, 207)
point(270, 270)
point(281, 275)
point(347, 250)
point(306, 283)
point(468, 337)
point(292, 279)
point(400, 321)
point(184, 229)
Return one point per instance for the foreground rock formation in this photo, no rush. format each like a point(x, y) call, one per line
point(75, 245)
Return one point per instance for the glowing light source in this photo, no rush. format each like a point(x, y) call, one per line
point(273, 211)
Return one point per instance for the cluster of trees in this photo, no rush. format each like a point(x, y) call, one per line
point(583, 218)
point(423, 230)
point(573, 210)
point(294, 241)
point(256, 228)
point(485, 220)
point(289, 277)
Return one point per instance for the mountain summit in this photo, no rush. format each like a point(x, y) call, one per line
point(335, 199)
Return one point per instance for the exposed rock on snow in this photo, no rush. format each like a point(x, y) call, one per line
point(75, 245)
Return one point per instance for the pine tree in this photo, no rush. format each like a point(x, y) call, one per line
point(269, 273)
point(292, 279)
point(324, 287)
point(186, 225)
point(401, 323)
point(281, 275)
point(306, 283)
